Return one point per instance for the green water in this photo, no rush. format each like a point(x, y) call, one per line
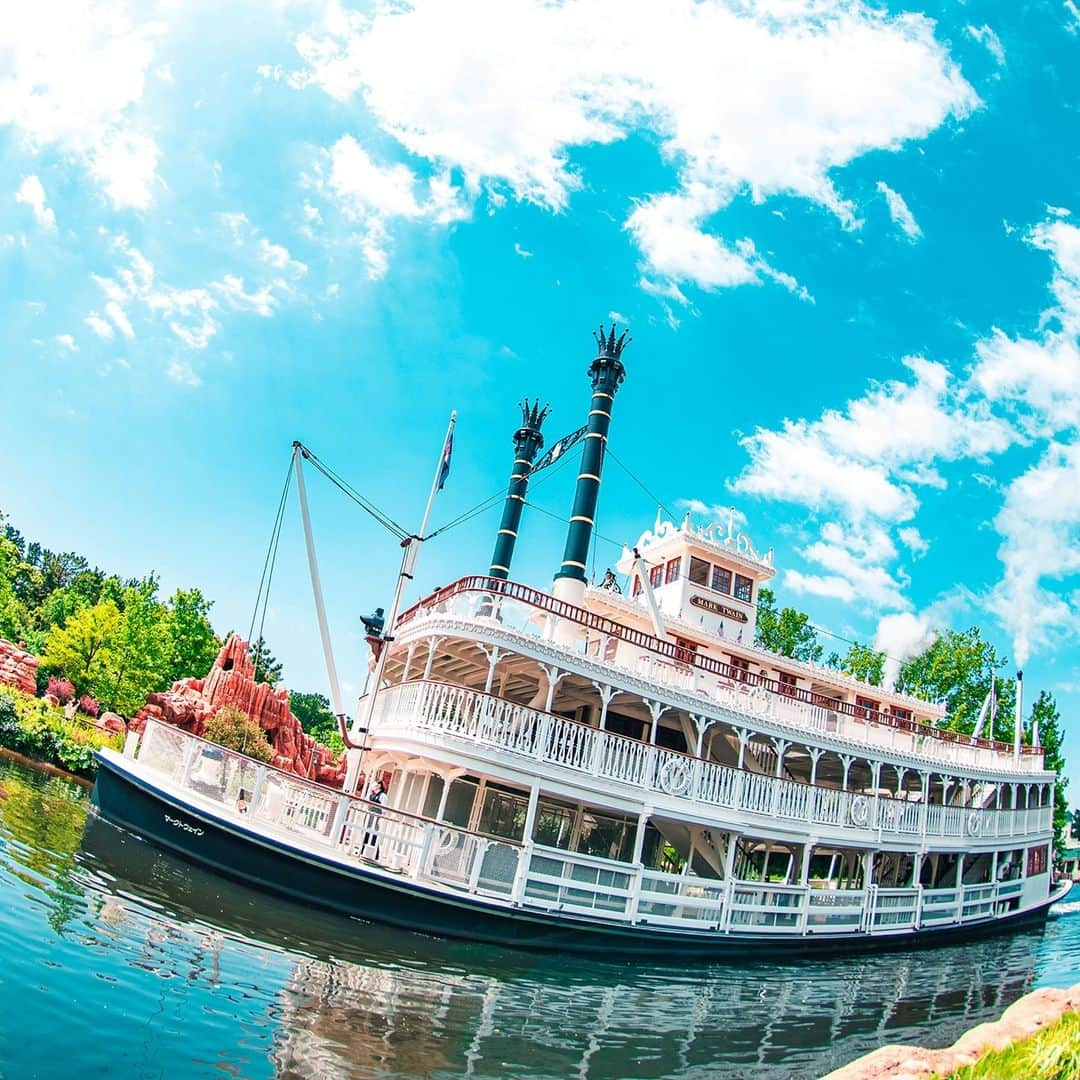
point(121, 960)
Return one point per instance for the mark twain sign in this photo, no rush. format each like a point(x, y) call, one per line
point(718, 609)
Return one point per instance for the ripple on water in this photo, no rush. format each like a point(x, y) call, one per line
point(121, 959)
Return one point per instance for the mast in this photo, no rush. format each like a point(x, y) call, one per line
point(412, 545)
point(316, 583)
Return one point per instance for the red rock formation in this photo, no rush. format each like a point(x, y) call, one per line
point(18, 668)
point(231, 681)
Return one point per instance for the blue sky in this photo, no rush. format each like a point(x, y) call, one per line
point(844, 239)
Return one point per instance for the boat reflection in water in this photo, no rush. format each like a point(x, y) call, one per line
point(358, 1000)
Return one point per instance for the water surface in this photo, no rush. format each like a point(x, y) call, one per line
point(122, 960)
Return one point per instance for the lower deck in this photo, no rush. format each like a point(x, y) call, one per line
point(573, 866)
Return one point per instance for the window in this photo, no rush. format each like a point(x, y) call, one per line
point(867, 707)
point(672, 571)
point(788, 682)
point(685, 650)
point(699, 571)
point(741, 668)
point(656, 575)
point(721, 580)
point(744, 589)
point(635, 586)
point(554, 824)
point(1036, 861)
point(901, 714)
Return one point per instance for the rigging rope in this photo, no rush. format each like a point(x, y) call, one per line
point(347, 489)
point(655, 500)
point(271, 555)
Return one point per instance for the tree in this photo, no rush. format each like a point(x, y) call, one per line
point(79, 649)
point(313, 712)
point(136, 657)
point(1044, 710)
point(787, 631)
point(191, 645)
point(862, 662)
point(235, 730)
point(957, 669)
point(267, 668)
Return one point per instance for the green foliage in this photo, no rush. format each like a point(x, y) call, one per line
point(1044, 710)
point(78, 649)
point(192, 645)
point(785, 631)
point(957, 669)
point(29, 726)
point(235, 730)
point(862, 662)
point(313, 712)
point(267, 668)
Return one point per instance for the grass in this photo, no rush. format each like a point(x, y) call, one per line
point(1052, 1054)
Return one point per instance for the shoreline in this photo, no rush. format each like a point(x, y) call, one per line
point(46, 767)
point(1023, 1019)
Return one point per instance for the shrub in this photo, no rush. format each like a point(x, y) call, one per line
point(89, 705)
point(61, 689)
point(235, 730)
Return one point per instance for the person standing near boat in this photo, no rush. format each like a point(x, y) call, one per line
point(377, 798)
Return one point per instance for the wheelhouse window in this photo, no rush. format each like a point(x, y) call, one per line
point(744, 589)
point(699, 571)
point(867, 707)
point(787, 682)
point(672, 570)
point(721, 580)
point(656, 575)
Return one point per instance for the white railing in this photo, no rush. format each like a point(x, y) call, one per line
point(443, 709)
point(431, 853)
point(752, 698)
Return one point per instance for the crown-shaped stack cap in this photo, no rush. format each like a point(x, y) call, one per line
point(611, 347)
point(532, 416)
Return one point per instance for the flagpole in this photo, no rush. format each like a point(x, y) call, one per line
point(412, 545)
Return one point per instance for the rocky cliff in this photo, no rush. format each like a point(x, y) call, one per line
point(18, 668)
point(231, 681)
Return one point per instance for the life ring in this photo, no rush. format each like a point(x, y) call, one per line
point(674, 777)
point(860, 811)
point(759, 701)
point(974, 823)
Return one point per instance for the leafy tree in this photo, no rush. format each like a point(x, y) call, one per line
point(1044, 710)
point(13, 614)
point(863, 663)
point(235, 730)
point(785, 631)
point(957, 669)
point(191, 644)
point(267, 668)
point(136, 657)
point(313, 712)
point(79, 649)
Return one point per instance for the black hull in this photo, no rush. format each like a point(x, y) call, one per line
point(245, 856)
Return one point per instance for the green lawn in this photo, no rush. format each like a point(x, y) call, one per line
point(1052, 1054)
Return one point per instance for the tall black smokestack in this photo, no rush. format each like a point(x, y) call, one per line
point(606, 373)
point(527, 443)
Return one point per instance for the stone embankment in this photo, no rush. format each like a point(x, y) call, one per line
point(231, 681)
point(1020, 1021)
point(18, 667)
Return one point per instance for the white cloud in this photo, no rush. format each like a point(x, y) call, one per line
point(277, 256)
point(32, 194)
point(1058, 211)
point(1074, 11)
point(519, 250)
point(899, 212)
point(618, 318)
point(455, 87)
point(73, 78)
point(1040, 528)
point(100, 326)
point(987, 38)
point(913, 540)
point(902, 636)
point(66, 342)
point(181, 372)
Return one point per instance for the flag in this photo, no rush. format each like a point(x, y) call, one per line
point(444, 468)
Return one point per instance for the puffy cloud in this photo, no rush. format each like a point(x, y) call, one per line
point(828, 79)
point(902, 636)
point(32, 194)
point(987, 38)
point(899, 212)
point(73, 77)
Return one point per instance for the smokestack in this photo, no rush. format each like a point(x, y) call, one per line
point(527, 443)
point(1019, 713)
point(606, 373)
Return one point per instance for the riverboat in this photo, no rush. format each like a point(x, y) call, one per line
point(622, 773)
